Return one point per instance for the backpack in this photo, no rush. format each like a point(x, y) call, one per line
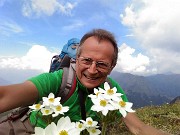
point(69, 50)
point(65, 61)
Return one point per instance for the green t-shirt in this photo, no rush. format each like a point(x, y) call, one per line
point(50, 82)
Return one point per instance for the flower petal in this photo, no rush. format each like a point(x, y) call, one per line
point(106, 86)
point(39, 131)
point(123, 112)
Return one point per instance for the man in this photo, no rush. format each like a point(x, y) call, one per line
point(96, 57)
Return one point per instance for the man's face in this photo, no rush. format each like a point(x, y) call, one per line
point(97, 53)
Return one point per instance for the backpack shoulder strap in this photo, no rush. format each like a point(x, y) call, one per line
point(65, 62)
point(68, 84)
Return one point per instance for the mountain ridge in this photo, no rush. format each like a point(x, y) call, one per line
point(148, 90)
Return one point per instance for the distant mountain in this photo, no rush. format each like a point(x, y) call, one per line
point(17, 75)
point(4, 82)
point(149, 90)
point(167, 85)
point(175, 100)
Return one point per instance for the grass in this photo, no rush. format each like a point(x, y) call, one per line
point(165, 117)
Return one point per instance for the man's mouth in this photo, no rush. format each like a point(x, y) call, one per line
point(90, 77)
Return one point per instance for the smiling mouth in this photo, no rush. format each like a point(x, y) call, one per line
point(91, 78)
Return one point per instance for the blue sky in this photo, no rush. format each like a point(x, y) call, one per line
point(32, 31)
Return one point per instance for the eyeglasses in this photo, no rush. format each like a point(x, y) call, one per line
point(100, 65)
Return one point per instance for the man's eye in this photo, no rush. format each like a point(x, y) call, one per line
point(87, 60)
point(102, 65)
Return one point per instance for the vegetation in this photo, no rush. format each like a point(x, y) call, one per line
point(165, 117)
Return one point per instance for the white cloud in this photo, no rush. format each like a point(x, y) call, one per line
point(155, 24)
point(9, 27)
point(37, 58)
point(46, 7)
point(128, 62)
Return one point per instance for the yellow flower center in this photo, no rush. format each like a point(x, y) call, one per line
point(97, 93)
point(80, 125)
point(93, 130)
point(110, 92)
point(63, 132)
point(58, 108)
point(122, 103)
point(89, 122)
point(51, 100)
point(47, 111)
point(37, 106)
point(103, 103)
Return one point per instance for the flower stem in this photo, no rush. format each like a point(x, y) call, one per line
point(103, 130)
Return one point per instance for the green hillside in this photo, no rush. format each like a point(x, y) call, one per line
point(165, 117)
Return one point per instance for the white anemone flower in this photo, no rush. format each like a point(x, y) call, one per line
point(59, 109)
point(93, 131)
point(123, 106)
point(51, 100)
point(36, 107)
point(46, 131)
point(111, 93)
point(97, 92)
point(89, 122)
point(102, 104)
point(80, 126)
point(46, 110)
point(64, 127)
point(39, 131)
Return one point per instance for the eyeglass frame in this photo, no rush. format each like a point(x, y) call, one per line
point(109, 66)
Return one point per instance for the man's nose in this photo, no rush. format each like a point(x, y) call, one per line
point(93, 68)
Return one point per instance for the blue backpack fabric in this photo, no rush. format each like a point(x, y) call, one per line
point(69, 50)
